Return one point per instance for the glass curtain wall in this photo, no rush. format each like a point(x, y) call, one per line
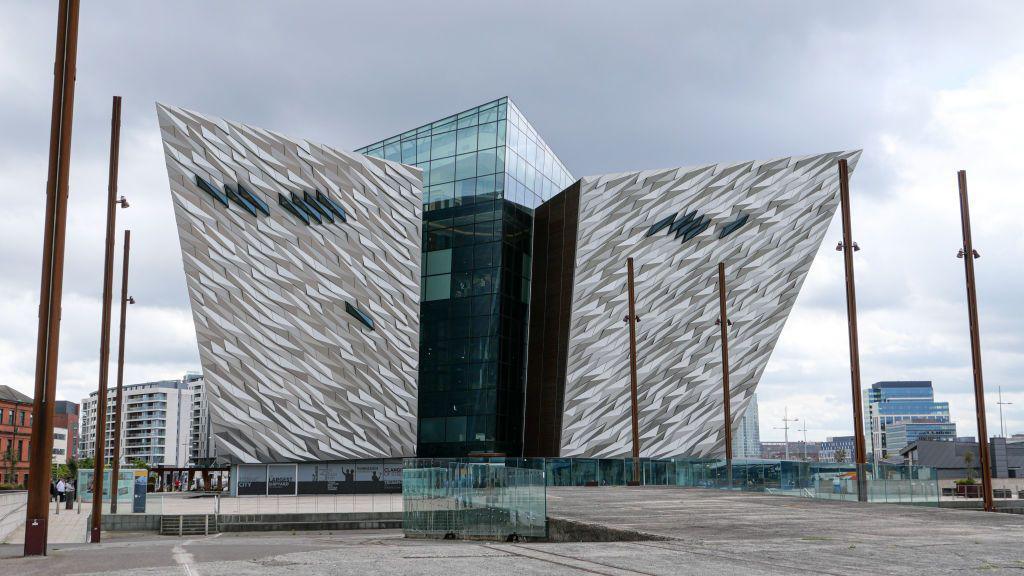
point(484, 171)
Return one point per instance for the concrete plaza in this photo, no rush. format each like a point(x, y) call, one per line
point(70, 526)
point(699, 531)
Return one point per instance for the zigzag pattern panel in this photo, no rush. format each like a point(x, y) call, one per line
point(303, 269)
point(765, 220)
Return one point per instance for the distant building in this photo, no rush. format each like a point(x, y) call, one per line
point(1015, 439)
point(65, 415)
point(60, 445)
point(15, 433)
point(898, 413)
point(835, 446)
point(746, 438)
point(201, 451)
point(950, 459)
point(797, 450)
point(155, 427)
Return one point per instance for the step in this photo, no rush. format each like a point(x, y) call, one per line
point(188, 524)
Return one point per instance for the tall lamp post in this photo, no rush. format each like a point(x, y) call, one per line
point(848, 247)
point(969, 254)
point(118, 403)
point(785, 426)
point(724, 323)
point(52, 279)
point(632, 319)
point(108, 280)
point(1002, 422)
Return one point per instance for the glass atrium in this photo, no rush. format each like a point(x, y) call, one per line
point(484, 171)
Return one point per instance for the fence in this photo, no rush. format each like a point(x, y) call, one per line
point(503, 499)
point(12, 511)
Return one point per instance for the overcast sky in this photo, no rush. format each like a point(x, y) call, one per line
point(925, 88)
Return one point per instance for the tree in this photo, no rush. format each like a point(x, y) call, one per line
point(841, 455)
point(60, 472)
point(969, 464)
point(87, 464)
point(139, 463)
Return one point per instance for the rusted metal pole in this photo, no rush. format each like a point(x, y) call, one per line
point(635, 412)
point(723, 321)
point(851, 312)
point(118, 402)
point(972, 312)
point(108, 281)
point(52, 279)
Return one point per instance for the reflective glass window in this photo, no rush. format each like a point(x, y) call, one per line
point(438, 262)
point(442, 171)
point(465, 188)
point(437, 287)
point(409, 151)
point(488, 137)
point(442, 145)
point(466, 140)
point(393, 151)
point(465, 166)
point(442, 192)
point(423, 149)
point(485, 162)
point(455, 429)
point(485, 184)
point(432, 430)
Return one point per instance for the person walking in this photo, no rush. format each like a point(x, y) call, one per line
point(61, 487)
point(53, 492)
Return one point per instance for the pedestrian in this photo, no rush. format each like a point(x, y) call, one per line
point(53, 492)
point(61, 487)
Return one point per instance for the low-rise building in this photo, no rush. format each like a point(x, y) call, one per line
point(15, 434)
point(838, 449)
point(955, 460)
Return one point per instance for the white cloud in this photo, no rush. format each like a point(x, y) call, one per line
point(913, 319)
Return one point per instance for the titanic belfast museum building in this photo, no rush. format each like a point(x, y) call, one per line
point(454, 290)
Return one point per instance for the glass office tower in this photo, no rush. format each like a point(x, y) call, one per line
point(898, 413)
point(484, 171)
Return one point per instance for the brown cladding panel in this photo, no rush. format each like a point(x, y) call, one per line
point(554, 255)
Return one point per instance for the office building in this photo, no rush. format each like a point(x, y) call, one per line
point(65, 415)
point(61, 443)
point(302, 264)
point(899, 413)
point(838, 449)
point(484, 172)
point(15, 434)
point(746, 438)
point(764, 219)
point(154, 426)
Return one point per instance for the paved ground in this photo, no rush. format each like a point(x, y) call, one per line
point(714, 533)
point(69, 527)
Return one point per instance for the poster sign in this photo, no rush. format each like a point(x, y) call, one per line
point(139, 500)
point(125, 488)
point(281, 479)
point(252, 480)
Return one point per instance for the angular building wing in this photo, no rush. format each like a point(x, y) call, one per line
point(764, 220)
point(303, 269)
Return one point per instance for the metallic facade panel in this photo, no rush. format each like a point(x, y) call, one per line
point(308, 332)
point(765, 220)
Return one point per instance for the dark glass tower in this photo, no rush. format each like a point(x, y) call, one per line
point(484, 171)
